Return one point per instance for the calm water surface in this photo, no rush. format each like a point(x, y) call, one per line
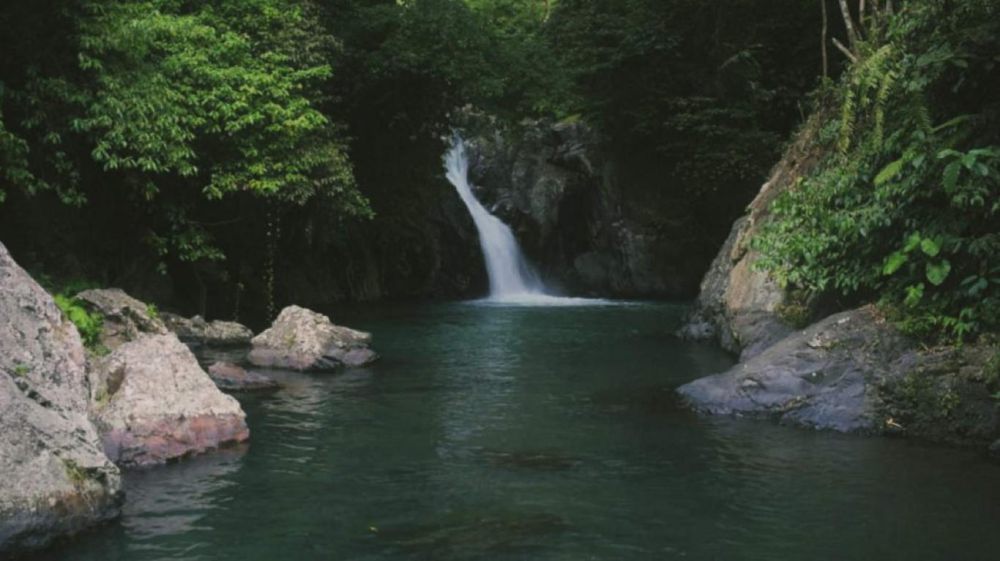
point(552, 433)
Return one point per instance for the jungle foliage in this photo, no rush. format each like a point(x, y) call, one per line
point(221, 141)
point(905, 207)
point(256, 150)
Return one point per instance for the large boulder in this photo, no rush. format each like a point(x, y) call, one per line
point(212, 333)
point(740, 306)
point(820, 377)
point(300, 339)
point(153, 403)
point(854, 372)
point(54, 477)
point(150, 399)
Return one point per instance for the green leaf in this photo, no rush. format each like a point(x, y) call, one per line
point(914, 293)
point(951, 172)
point(894, 262)
point(888, 172)
point(912, 242)
point(930, 247)
point(938, 272)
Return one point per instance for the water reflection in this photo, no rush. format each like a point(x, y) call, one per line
point(177, 498)
point(515, 433)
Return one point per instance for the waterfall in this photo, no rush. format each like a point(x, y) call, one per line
point(512, 278)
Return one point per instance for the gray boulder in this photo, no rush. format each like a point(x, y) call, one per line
point(152, 403)
point(233, 377)
point(854, 372)
point(150, 399)
point(301, 339)
point(55, 478)
point(125, 318)
point(825, 376)
point(213, 333)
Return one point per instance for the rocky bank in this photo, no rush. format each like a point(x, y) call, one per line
point(54, 476)
point(851, 371)
point(150, 399)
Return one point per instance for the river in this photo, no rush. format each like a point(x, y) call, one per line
point(500, 432)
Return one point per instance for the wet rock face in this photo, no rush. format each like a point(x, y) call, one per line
point(301, 339)
point(738, 305)
point(586, 226)
point(233, 377)
point(854, 372)
point(54, 478)
point(822, 377)
point(150, 399)
point(213, 333)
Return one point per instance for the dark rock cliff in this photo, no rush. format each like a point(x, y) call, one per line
point(588, 223)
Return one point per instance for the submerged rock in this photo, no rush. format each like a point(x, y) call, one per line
point(474, 536)
point(538, 460)
point(212, 333)
point(54, 478)
point(301, 339)
point(150, 399)
point(233, 377)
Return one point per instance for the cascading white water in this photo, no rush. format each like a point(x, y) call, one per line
point(512, 278)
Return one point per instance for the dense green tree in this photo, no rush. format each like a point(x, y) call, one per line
point(905, 206)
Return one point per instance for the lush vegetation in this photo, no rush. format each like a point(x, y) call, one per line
point(905, 206)
point(251, 151)
point(256, 150)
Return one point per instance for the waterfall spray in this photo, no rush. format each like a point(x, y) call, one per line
point(512, 278)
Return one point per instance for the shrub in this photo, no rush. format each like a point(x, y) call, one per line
point(87, 323)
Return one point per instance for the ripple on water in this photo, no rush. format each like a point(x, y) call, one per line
point(494, 432)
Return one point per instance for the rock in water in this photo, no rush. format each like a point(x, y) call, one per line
point(301, 339)
point(822, 377)
point(854, 372)
point(233, 377)
point(54, 478)
point(212, 333)
point(151, 400)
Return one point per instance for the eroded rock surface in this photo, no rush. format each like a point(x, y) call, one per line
point(212, 333)
point(741, 307)
point(300, 339)
point(150, 399)
point(854, 372)
point(233, 377)
point(54, 477)
point(583, 217)
point(820, 377)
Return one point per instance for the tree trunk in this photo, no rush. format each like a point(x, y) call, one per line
point(822, 41)
point(852, 34)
